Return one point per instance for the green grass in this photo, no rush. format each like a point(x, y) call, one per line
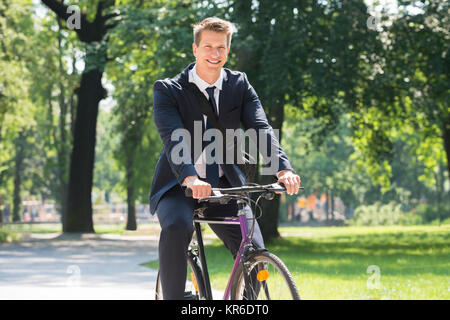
point(7, 236)
point(18, 228)
point(333, 262)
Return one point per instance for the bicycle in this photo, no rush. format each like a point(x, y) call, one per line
point(257, 274)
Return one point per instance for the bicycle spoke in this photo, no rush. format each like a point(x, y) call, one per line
point(268, 279)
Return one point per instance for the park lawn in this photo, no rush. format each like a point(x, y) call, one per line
point(357, 262)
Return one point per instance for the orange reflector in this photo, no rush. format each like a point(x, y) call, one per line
point(262, 275)
point(194, 281)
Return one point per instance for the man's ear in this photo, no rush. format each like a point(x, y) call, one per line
point(194, 49)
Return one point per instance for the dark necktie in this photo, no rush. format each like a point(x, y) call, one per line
point(212, 170)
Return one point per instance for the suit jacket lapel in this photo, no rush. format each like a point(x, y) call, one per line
point(193, 103)
point(225, 97)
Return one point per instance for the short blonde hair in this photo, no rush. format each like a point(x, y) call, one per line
point(213, 24)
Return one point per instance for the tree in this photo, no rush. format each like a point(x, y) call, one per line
point(410, 91)
point(153, 41)
point(132, 74)
point(52, 93)
point(16, 111)
point(307, 54)
point(78, 217)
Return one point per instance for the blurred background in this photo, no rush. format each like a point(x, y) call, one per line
point(358, 89)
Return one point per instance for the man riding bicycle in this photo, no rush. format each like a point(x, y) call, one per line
point(233, 102)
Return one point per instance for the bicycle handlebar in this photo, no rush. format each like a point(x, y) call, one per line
point(274, 187)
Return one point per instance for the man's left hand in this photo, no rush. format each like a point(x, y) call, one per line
point(290, 180)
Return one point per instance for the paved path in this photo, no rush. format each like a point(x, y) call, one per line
point(89, 266)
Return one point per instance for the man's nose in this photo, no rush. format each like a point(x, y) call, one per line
point(216, 52)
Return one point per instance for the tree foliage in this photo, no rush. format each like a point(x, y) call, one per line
point(363, 111)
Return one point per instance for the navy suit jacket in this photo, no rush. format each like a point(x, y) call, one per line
point(175, 107)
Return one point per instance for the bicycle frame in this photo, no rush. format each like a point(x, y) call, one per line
point(241, 219)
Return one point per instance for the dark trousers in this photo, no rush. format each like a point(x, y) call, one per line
point(175, 214)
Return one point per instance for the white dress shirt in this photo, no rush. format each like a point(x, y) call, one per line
point(200, 163)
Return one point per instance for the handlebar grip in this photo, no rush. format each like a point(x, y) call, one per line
point(188, 192)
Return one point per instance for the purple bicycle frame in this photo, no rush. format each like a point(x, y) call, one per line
point(245, 241)
point(241, 219)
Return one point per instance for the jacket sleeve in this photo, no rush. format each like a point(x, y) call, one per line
point(253, 116)
point(167, 120)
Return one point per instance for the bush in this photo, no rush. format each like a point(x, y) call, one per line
point(6, 236)
point(379, 214)
point(432, 213)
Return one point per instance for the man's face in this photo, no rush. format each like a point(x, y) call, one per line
point(212, 51)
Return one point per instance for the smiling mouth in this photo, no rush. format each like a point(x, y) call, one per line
point(213, 61)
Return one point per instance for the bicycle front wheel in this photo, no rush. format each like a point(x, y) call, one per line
point(266, 278)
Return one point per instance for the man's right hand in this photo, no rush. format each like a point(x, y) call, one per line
point(200, 189)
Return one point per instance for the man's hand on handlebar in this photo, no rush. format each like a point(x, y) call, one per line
point(200, 189)
point(290, 180)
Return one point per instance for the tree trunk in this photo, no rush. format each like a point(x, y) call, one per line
point(131, 206)
point(78, 217)
point(446, 141)
point(332, 204)
point(18, 169)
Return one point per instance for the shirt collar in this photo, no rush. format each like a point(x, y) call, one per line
point(202, 84)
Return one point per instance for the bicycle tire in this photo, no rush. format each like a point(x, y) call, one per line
point(194, 265)
point(255, 259)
